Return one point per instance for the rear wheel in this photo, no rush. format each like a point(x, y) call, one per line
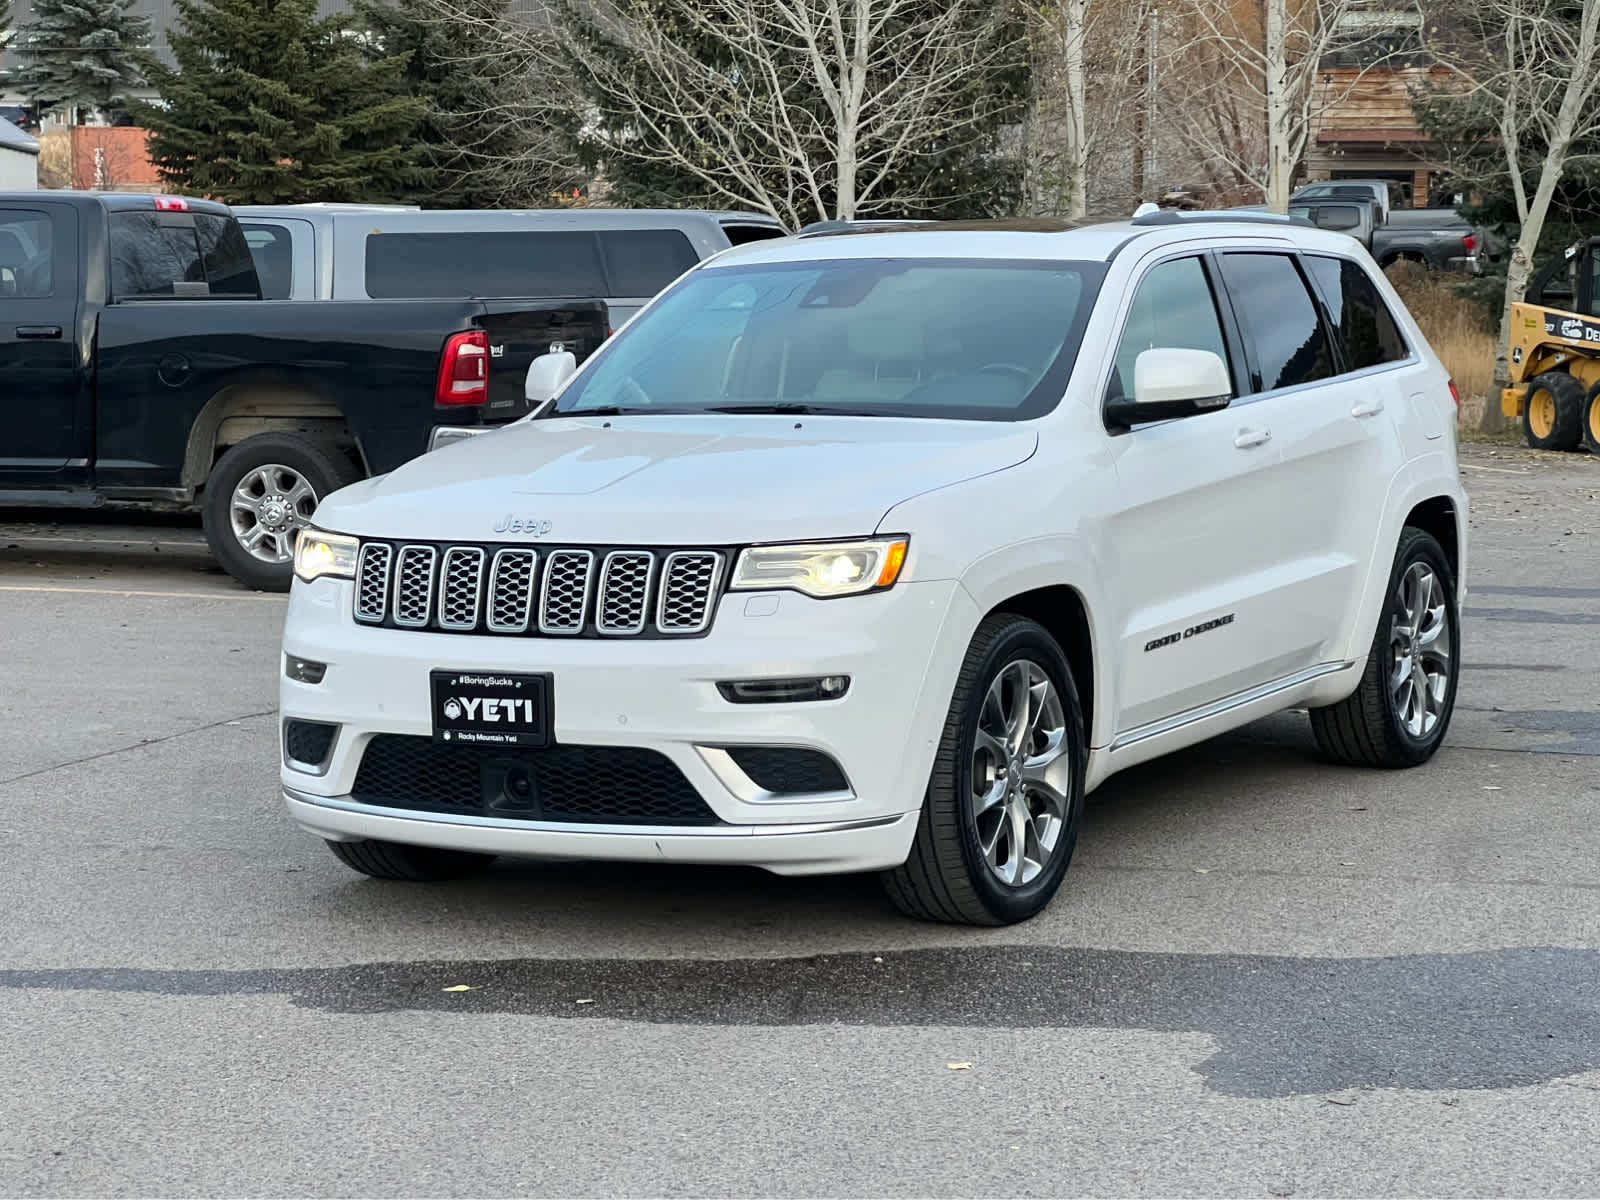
point(1591, 420)
point(1398, 715)
point(1552, 412)
point(413, 864)
point(1001, 814)
point(259, 497)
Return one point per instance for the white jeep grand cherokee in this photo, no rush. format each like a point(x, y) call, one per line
point(877, 552)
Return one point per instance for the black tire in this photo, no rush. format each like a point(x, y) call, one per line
point(412, 864)
point(945, 877)
point(324, 468)
point(1365, 729)
point(1558, 424)
point(1591, 420)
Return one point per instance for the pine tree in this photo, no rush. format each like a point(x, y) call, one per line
point(80, 54)
point(268, 104)
point(479, 140)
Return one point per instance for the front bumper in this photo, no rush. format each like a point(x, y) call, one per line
point(659, 695)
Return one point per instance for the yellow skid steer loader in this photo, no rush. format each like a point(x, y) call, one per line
point(1555, 354)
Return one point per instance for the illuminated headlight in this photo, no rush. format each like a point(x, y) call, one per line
point(822, 569)
point(318, 555)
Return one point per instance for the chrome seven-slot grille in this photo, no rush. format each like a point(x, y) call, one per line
point(554, 592)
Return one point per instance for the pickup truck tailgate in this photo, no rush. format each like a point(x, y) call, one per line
point(521, 330)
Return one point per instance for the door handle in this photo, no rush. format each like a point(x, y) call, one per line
point(1368, 408)
point(1252, 437)
point(38, 332)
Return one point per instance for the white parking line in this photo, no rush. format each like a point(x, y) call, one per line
point(134, 592)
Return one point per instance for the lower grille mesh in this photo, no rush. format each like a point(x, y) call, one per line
point(789, 770)
point(597, 785)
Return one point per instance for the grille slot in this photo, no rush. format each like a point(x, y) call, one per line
point(586, 785)
point(413, 586)
point(460, 583)
point(688, 591)
point(625, 591)
point(565, 591)
point(511, 581)
point(564, 600)
point(372, 575)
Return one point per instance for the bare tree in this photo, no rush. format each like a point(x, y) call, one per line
point(1533, 66)
point(1088, 84)
point(805, 109)
point(1250, 71)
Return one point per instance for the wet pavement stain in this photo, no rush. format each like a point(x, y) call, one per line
point(1285, 1026)
point(1582, 728)
point(1533, 616)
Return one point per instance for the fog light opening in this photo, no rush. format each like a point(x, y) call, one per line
point(303, 670)
point(784, 691)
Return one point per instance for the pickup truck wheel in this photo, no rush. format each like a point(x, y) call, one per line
point(1003, 806)
point(1398, 715)
point(1552, 412)
point(261, 493)
point(413, 864)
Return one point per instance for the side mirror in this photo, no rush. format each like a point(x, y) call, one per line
point(547, 374)
point(1169, 382)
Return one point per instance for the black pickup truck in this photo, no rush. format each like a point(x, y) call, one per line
point(139, 365)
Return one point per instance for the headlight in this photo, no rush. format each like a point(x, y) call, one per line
point(822, 569)
point(318, 554)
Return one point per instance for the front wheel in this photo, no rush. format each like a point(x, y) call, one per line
point(1001, 814)
point(413, 864)
point(260, 495)
point(1398, 715)
point(1552, 412)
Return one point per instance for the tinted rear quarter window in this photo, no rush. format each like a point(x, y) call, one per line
point(484, 263)
point(640, 262)
point(1279, 319)
point(1367, 328)
point(225, 255)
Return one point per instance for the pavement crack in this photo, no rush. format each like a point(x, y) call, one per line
point(140, 745)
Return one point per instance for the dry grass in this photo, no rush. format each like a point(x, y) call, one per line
point(1457, 328)
point(55, 159)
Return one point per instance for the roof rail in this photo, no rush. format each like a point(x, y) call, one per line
point(1170, 216)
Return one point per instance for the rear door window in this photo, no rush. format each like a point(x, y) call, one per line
point(26, 270)
point(1367, 329)
point(1279, 319)
point(484, 264)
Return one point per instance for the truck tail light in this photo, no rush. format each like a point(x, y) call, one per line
point(1469, 245)
point(464, 372)
point(1455, 394)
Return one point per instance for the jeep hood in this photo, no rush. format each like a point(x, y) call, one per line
point(673, 480)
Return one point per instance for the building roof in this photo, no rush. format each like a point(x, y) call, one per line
point(12, 138)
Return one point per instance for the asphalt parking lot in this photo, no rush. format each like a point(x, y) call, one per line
point(1264, 977)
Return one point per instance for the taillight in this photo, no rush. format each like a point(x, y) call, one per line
point(464, 373)
point(1469, 243)
point(1455, 395)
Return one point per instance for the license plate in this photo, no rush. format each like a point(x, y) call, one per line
point(490, 708)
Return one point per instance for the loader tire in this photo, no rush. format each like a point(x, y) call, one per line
point(1553, 412)
point(1591, 420)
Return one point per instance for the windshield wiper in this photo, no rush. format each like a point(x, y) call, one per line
point(790, 409)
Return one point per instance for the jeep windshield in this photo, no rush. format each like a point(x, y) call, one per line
point(966, 339)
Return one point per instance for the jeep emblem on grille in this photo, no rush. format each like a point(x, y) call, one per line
point(529, 525)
